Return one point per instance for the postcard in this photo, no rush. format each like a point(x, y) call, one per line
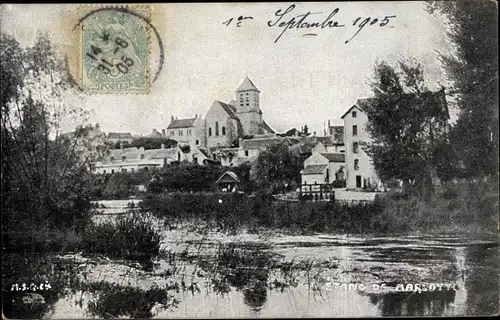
point(250, 160)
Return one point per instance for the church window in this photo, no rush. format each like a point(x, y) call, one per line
point(216, 128)
point(223, 130)
point(210, 132)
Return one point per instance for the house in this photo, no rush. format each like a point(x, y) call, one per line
point(135, 159)
point(188, 131)
point(360, 170)
point(224, 123)
point(323, 168)
point(115, 137)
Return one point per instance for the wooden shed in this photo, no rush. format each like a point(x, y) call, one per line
point(228, 182)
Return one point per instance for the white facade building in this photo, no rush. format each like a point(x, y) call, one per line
point(360, 170)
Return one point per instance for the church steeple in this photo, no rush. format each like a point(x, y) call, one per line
point(248, 106)
point(247, 85)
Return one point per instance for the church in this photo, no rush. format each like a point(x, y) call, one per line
point(224, 123)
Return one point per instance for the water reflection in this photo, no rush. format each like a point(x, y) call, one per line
point(413, 303)
point(271, 280)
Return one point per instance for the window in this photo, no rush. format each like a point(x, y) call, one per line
point(142, 155)
point(354, 130)
point(356, 164)
point(124, 170)
point(104, 171)
point(197, 142)
point(132, 169)
point(112, 170)
point(355, 147)
point(172, 133)
point(246, 153)
point(209, 132)
point(216, 128)
point(354, 114)
point(123, 158)
point(223, 130)
point(111, 158)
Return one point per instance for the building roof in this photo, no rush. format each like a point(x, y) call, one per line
point(228, 175)
point(181, 123)
point(205, 152)
point(120, 135)
point(355, 106)
point(334, 157)
point(160, 153)
point(155, 134)
point(134, 153)
point(230, 110)
point(266, 127)
point(259, 144)
point(314, 169)
point(247, 85)
point(305, 147)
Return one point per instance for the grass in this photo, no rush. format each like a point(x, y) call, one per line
point(130, 237)
point(458, 207)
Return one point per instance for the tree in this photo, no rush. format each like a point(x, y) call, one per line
point(148, 143)
point(406, 124)
point(473, 70)
point(44, 173)
point(277, 166)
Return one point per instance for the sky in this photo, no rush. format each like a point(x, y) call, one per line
point(302, 79)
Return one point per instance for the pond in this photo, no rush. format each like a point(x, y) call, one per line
point(216, 275)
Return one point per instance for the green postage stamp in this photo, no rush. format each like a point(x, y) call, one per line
point(114, 49)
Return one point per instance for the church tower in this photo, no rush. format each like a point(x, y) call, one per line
point(248, 107)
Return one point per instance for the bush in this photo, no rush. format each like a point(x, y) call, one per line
point(130, 238)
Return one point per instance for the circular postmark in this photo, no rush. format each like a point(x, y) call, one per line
point(115, 53)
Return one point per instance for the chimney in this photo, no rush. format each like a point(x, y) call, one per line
point(195, 115)
point(171, 118)
point(163, 132)
point(121, 146)
point(329, 125)
point(162, 146)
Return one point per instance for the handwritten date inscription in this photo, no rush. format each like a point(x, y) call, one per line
point(285, 20)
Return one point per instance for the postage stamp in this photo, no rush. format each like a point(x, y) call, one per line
point(114, 50)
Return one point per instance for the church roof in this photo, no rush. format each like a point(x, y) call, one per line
point(247, 85)
point(181, 123)
point(266, 127)
point(230, 110)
